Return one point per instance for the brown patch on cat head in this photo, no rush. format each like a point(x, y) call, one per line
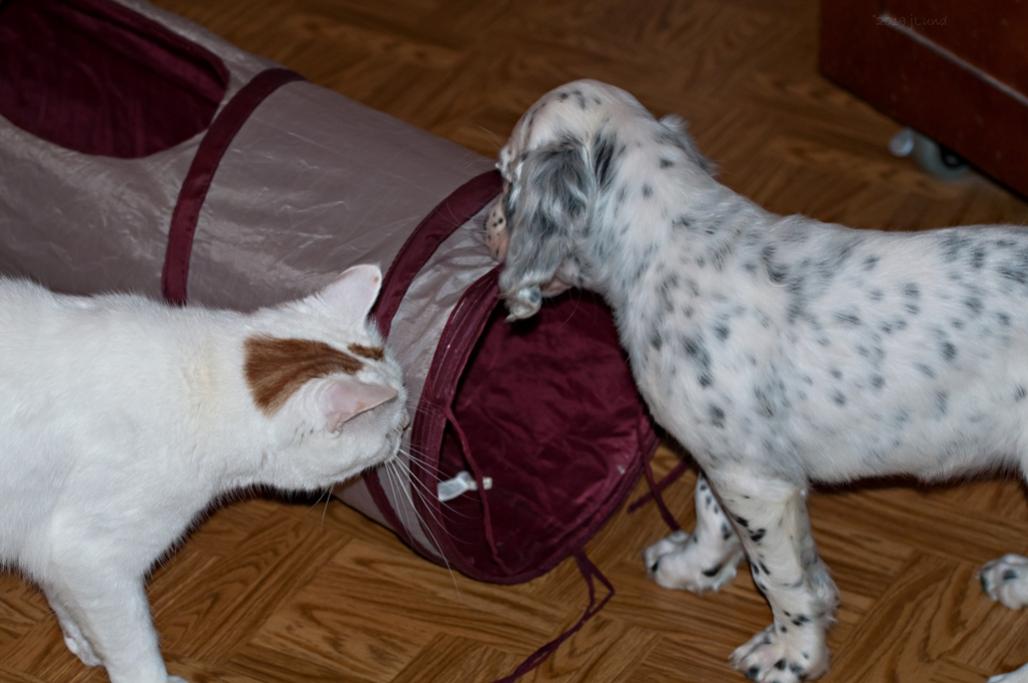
point(277, 368)
point(369, 352)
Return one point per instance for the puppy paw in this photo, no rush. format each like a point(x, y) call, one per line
point(523, 303)
point(770, 657)
point(677, 561)
point(1019, 676)
point(1006, 581)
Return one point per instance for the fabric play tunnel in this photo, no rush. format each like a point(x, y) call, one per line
point(139, 152)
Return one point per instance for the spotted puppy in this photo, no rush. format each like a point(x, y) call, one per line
point(778, 350)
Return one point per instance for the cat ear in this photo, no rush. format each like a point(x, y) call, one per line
point(342, 399)
point(354, 293)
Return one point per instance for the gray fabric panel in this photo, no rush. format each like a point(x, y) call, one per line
point(85, 224)
point(312, 184)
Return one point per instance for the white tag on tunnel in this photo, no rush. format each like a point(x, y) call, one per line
point(462, 483)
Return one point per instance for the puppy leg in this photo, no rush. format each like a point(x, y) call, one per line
point(1006, 580)
point(701, 561)
point(771, 518)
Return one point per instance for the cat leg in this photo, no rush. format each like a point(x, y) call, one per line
point(701, 561)
point(112, 613)
point(73, 636)
point(771, 518)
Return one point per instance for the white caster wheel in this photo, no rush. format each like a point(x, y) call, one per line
point(932, 157)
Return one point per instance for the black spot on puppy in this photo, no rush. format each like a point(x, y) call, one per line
point(717, 416)
point(775, 271)
point(847, 318)
point(974, 304)
point(712, 572)
point(603, 151)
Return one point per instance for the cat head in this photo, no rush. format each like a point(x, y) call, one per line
point(320, 374)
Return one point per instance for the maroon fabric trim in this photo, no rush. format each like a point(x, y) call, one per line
point(589, 572)
point(465, 325)
point(487, 517)
point(658, 488)
point(191, 197)
point(655, 492)
point(451, 213)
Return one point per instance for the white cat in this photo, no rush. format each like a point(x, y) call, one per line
point(121, 419)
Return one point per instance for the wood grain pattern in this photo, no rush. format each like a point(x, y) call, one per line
point(276, 592)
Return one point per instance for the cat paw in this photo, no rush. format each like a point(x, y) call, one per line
point(78, 645)
point(1006, 580)
point(83, 651)
point(176, 679)
point(677, 561)
point(769, 657)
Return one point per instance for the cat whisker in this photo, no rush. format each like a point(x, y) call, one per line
point(424, 493)
point(324, 510)
point(429, 495)
point(394, 477)
point(425, 466)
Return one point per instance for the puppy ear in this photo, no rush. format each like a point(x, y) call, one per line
point(546, 202)
point(678, 134)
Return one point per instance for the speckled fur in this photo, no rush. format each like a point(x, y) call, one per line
point(778, 350)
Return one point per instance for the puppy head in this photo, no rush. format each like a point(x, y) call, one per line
point(567, 150)
point(544, 208)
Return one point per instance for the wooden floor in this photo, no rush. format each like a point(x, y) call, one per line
point(278, 592)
